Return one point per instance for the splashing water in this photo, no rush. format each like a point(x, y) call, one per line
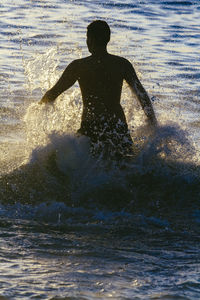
point(52, 151)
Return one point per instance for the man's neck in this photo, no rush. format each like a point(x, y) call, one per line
point(99, 52)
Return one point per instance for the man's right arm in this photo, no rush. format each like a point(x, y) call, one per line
point(138, 89)
point(67, 79)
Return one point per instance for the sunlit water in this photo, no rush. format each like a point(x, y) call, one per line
point(75, 227)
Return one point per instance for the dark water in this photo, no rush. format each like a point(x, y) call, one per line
point(75, 227)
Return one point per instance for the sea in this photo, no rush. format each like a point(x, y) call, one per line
point(76, 226)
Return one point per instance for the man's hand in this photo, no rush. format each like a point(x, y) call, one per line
point(152, 123)
point(46, 99)
point(43, 100)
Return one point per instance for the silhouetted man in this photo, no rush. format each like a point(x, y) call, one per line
point(100, 78)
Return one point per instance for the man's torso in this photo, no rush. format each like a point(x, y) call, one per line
point(100, 79)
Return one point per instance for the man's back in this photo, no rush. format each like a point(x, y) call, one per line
point(100, 78)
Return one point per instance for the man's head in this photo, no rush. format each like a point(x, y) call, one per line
point(98, 34)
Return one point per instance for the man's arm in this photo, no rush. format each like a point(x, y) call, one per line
point(137, 88)
point(67, 79)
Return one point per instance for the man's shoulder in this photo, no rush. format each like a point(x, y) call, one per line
point(119, 58)
point(82, 60)
point(75, 62)
point(78, 63)
point(124, 62)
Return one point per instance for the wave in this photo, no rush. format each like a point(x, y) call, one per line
point(160, 177)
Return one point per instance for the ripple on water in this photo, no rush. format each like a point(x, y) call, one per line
point(116, 239)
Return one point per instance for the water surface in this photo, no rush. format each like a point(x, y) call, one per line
point(75, 227)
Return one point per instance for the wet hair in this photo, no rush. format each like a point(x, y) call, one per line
point(99, 31)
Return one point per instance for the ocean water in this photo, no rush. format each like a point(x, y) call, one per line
point(77, 227)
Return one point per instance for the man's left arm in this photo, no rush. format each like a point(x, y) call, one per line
point(138, 89)
point(67, 79)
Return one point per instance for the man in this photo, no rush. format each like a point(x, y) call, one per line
point(100, 78)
